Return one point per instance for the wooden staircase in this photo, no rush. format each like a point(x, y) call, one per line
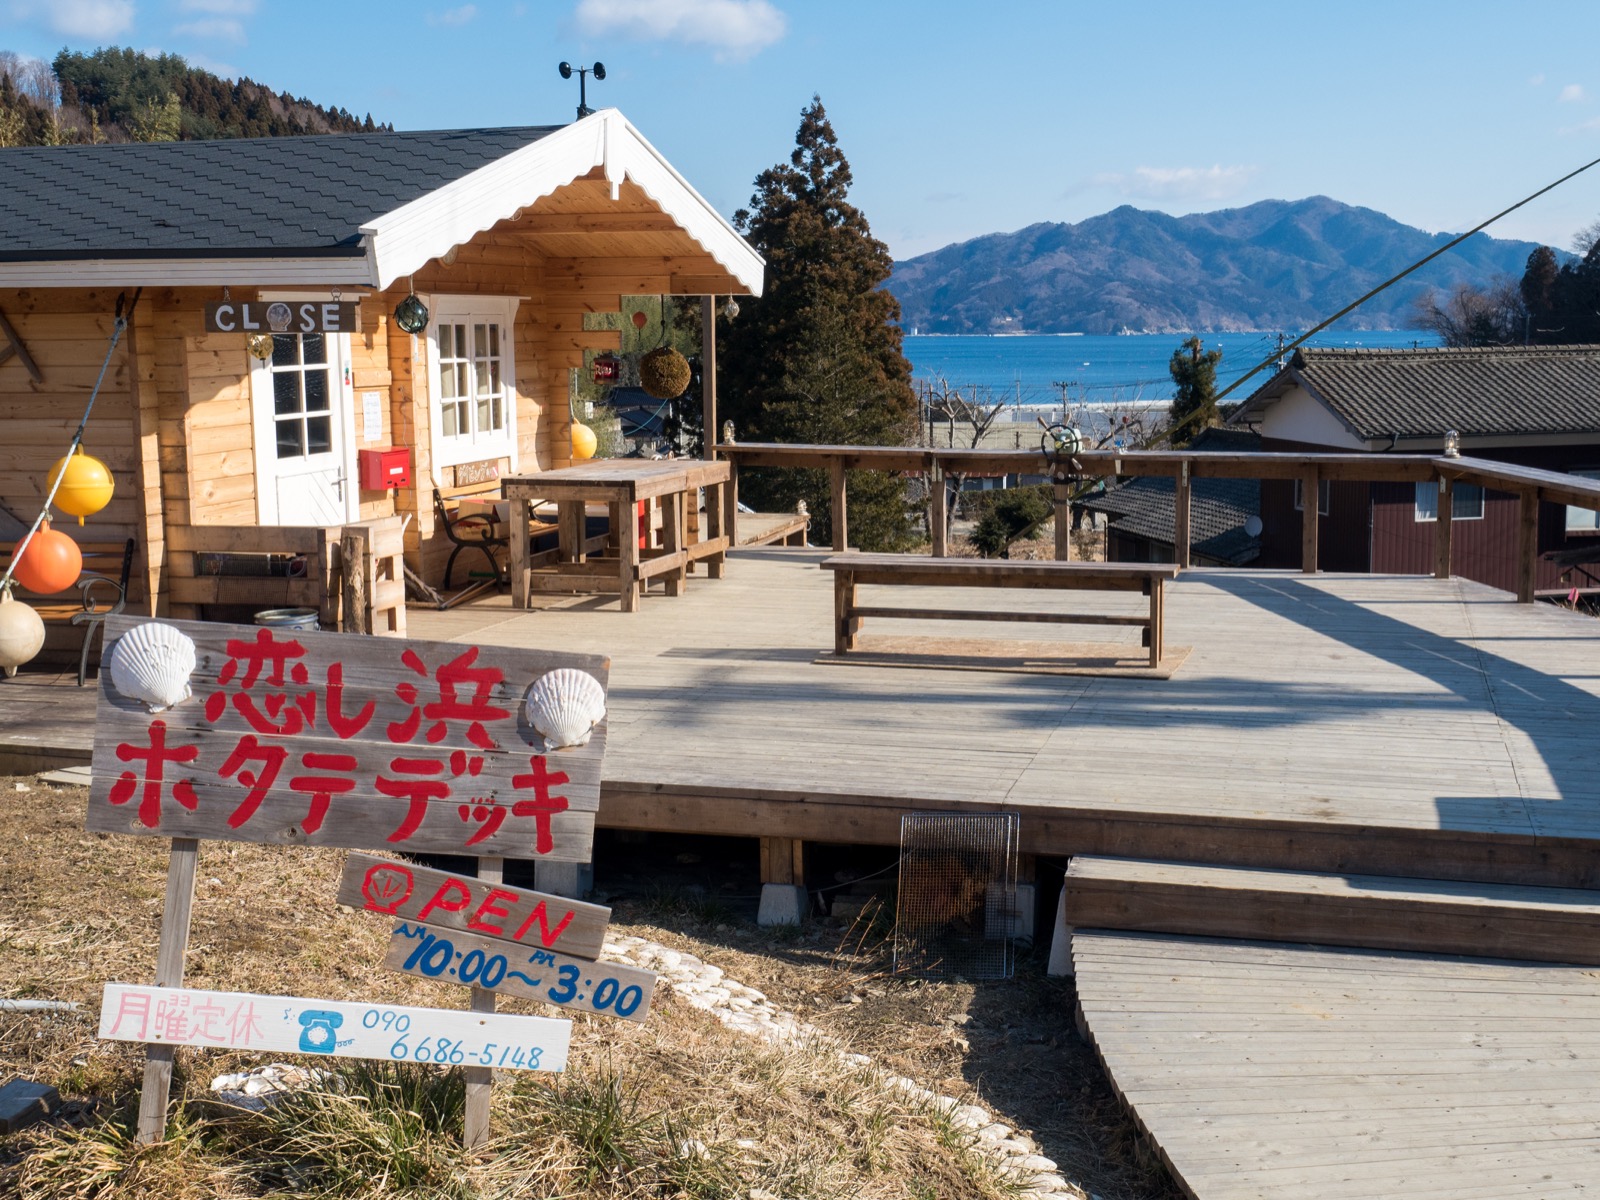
point(1540, 924)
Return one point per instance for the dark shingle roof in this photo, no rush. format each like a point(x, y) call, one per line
point(1501, 390)
point(242, 197)
point(1218, 508)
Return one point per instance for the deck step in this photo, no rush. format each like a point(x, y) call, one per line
point(1537, 924)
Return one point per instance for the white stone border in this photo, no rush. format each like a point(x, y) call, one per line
point(708, 988)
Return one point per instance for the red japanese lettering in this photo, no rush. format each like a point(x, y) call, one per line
point(543, 806)
point(155, 759)
point(322, 788)
point(418, 791)
point(464, 694)
point(345, 727)
point(271, 760)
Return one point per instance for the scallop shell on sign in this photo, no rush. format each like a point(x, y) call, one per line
point(565, 705)
point(152, 663)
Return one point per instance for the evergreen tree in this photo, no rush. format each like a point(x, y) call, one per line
point(1194, 403)
point(817, 358)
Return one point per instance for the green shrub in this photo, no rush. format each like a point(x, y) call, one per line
point(1012, 514)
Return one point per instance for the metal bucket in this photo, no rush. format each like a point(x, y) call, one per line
point(300, 619)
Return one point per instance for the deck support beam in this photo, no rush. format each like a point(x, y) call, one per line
point(1527, 545)
point(783, 877)
point(1063, 503)
point(938, 512)
point(841, 523)
point(1310, 504)
point(1443, 527)
point(1180, 517)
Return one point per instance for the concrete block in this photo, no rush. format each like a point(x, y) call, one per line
point(22, 1102)
point(782, 904)
point(572, 880)
point(1061, 941)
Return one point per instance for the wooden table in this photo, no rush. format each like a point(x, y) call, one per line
point(624, 567)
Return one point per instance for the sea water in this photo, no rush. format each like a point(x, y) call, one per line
point(1036, 370)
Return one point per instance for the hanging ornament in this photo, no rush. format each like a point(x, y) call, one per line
point(21, 633)
point(411, 314)
point(86, 484)
point(584, 443)
point(664, 373)
point(259, 345)
point(50, 563)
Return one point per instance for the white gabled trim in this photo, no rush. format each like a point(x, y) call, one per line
point(186, 272)
point(401, 242)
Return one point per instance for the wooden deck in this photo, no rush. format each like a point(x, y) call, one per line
point(1300, 1073)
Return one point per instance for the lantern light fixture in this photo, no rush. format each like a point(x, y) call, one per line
point(1452, 444)
point(731, 308)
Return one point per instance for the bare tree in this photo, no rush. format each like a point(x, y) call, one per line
point(967, 414)
point(1475, 316)
point(1584, 240)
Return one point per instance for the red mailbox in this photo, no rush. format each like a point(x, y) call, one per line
point(384, 469)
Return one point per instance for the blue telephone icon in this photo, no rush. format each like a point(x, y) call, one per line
point(317, 1036)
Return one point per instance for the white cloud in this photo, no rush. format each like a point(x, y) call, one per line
point(1180, 183)
point(1571, 93)
point(454, 16)
point(221, 29)
point(79, 18)
point(222, 8)
point(735, 29)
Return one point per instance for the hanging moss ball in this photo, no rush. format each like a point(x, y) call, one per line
point(664, 373)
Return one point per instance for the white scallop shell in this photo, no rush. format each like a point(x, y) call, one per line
point(152, 663)
point(565, 705)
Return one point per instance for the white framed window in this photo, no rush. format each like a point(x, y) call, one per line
point(473, 369)
point(1583, 520)
point(1466, 502)
point(302, 396)
point(1324, 491)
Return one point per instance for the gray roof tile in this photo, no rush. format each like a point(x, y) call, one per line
point(1500, 390)
point(239, 197)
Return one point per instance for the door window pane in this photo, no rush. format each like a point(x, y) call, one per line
point(319, 435)
point(314, 346)
point(302, 395)
point(285, 350)
point(286, 392)
point(289, 440)
point(316, 391)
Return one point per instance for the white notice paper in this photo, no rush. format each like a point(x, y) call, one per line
point(371, 417)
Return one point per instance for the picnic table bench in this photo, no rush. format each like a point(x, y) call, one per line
point(853, 570)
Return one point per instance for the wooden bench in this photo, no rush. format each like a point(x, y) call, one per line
point(853, 570)
point(102, 590)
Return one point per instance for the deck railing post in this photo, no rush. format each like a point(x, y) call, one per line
point(1527, 545)
point(841, 526)
point(708, 376)
point(938, 510)
point(1180, 516)
point(1442, 528)
point(1063, 506)
point(1310, 502)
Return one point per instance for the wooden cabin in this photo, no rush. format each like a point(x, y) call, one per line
point(518, 241)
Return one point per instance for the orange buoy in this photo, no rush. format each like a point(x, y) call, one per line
point(584, 443)
point(86, 487)
point(51, 562)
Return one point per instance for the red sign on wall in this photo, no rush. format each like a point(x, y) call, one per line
point(343, 740)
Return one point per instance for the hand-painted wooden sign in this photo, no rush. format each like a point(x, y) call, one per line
point(331, 739)
point(610, 989)
point(281, 316)
point(532, 919)
point(294, 1025)
point(477, 472)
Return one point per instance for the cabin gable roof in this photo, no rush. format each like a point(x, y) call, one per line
point(361, 209)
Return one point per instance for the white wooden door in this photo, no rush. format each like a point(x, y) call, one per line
point(302, 403)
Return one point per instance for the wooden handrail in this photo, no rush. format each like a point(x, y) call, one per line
point(1532, 484)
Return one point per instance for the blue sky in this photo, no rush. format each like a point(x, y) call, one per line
point(962, 118)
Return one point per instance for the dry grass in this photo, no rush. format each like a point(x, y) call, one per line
point(677, 1106)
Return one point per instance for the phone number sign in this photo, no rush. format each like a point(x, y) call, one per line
point(327, 739)
point(294, 1025)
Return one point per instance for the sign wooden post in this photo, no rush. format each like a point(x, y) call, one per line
point(480, 1080)
point(288, 738)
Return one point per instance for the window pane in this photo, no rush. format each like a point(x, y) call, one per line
point(480, 340)
point(1428, 502)
point(316, 348)
point(451, 423)
point(317, 391)
point(494, 340)
point(319, 435)
point(286, 392)
point(445, 341)
point(483, 415)
point(463, 381)
point(494, 376)
point(498, 410)
point(285, 350)
point(1579, 519)
point(484, 377)
point(289, 439)
point(1466, 501)
point(447, 383)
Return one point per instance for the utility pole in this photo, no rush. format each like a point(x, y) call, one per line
point(1280, 351)
point(1064, 384)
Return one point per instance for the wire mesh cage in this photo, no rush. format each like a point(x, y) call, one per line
point(956, 913)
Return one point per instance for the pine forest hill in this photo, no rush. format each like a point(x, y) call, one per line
point(1276, 264)
point(121, 95)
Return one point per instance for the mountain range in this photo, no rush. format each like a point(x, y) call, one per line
point(1276, 264)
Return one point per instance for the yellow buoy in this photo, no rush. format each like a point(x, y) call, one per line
point(87, 487)
point(584, 442)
